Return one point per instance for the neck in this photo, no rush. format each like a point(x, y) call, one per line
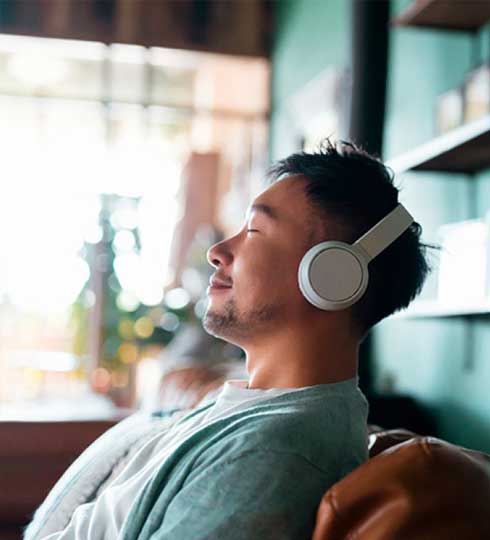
point(310, 355)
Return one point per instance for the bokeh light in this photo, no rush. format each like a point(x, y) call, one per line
point(124, 241)
point(126, 329)
point(101, 380)
point(128, 353)
point(177, 298)
point(127, 301)
point(144, 327)
point(169, 322)
point(201, 307)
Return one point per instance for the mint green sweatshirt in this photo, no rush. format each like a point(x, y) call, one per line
point(257, 474)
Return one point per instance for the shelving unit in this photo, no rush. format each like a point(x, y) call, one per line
point(464, 15)
point(429, 309)
point(464, 150)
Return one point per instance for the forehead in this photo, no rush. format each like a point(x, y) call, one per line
point(287, 199)
point(295, 213)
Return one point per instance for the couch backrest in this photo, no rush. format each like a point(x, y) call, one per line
point(422, 488)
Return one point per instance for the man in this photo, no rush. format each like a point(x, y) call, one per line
point(255, 462)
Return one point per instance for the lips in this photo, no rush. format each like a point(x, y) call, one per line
point(218, 283)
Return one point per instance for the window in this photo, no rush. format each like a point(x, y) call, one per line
point(93, 140)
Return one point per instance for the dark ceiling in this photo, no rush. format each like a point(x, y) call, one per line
point(224, 26)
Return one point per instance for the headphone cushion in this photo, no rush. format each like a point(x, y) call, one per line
point(332, 275)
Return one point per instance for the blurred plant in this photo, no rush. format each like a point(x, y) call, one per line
point(129, 327)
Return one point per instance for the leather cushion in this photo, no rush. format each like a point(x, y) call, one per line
point(421, 489)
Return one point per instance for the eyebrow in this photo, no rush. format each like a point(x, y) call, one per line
point(264, 209)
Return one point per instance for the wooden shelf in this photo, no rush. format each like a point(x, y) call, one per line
point(425, 309)
point(466, 15)
point(465, 150)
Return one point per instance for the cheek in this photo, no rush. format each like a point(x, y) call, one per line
point(269, 272)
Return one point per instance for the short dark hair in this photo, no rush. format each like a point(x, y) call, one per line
point(356, 189)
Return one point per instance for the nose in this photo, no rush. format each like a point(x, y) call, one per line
point(219, 254)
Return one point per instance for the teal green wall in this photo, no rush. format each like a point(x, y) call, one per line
point(311, 35)
point(441, 362)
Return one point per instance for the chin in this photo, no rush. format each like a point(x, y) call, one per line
point(213, 324)
point(220, 326)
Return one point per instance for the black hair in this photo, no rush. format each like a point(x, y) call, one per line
point(347, 186)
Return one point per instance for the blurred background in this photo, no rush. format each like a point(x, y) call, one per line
point(133, 135)
point(123, 159)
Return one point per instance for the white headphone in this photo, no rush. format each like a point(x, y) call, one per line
point(334, 275)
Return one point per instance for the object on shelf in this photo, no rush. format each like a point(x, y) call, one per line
point(449, 110)
point(320, 108)
point(477, 93)
point(464, 266)
point(466, 15)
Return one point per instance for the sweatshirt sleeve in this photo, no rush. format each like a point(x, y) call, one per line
point(257, 494)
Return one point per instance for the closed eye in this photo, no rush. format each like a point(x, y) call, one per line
point(252, 230)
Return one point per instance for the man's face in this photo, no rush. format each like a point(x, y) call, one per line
point(260, 265)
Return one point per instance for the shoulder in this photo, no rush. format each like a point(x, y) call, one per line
point(317, 432)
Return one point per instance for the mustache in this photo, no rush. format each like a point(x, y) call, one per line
point(222, 278)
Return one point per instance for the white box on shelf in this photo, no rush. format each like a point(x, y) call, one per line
point(464, 269)
point(477, 93)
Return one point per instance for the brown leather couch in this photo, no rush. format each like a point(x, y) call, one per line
point(411, 488)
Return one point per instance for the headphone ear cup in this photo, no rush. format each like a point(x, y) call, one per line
point(333, 275)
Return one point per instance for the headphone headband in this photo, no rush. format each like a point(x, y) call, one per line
point(385, 232)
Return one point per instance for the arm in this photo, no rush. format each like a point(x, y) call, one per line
point(256, 494)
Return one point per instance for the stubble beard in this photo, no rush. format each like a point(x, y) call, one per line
point(231, 325)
